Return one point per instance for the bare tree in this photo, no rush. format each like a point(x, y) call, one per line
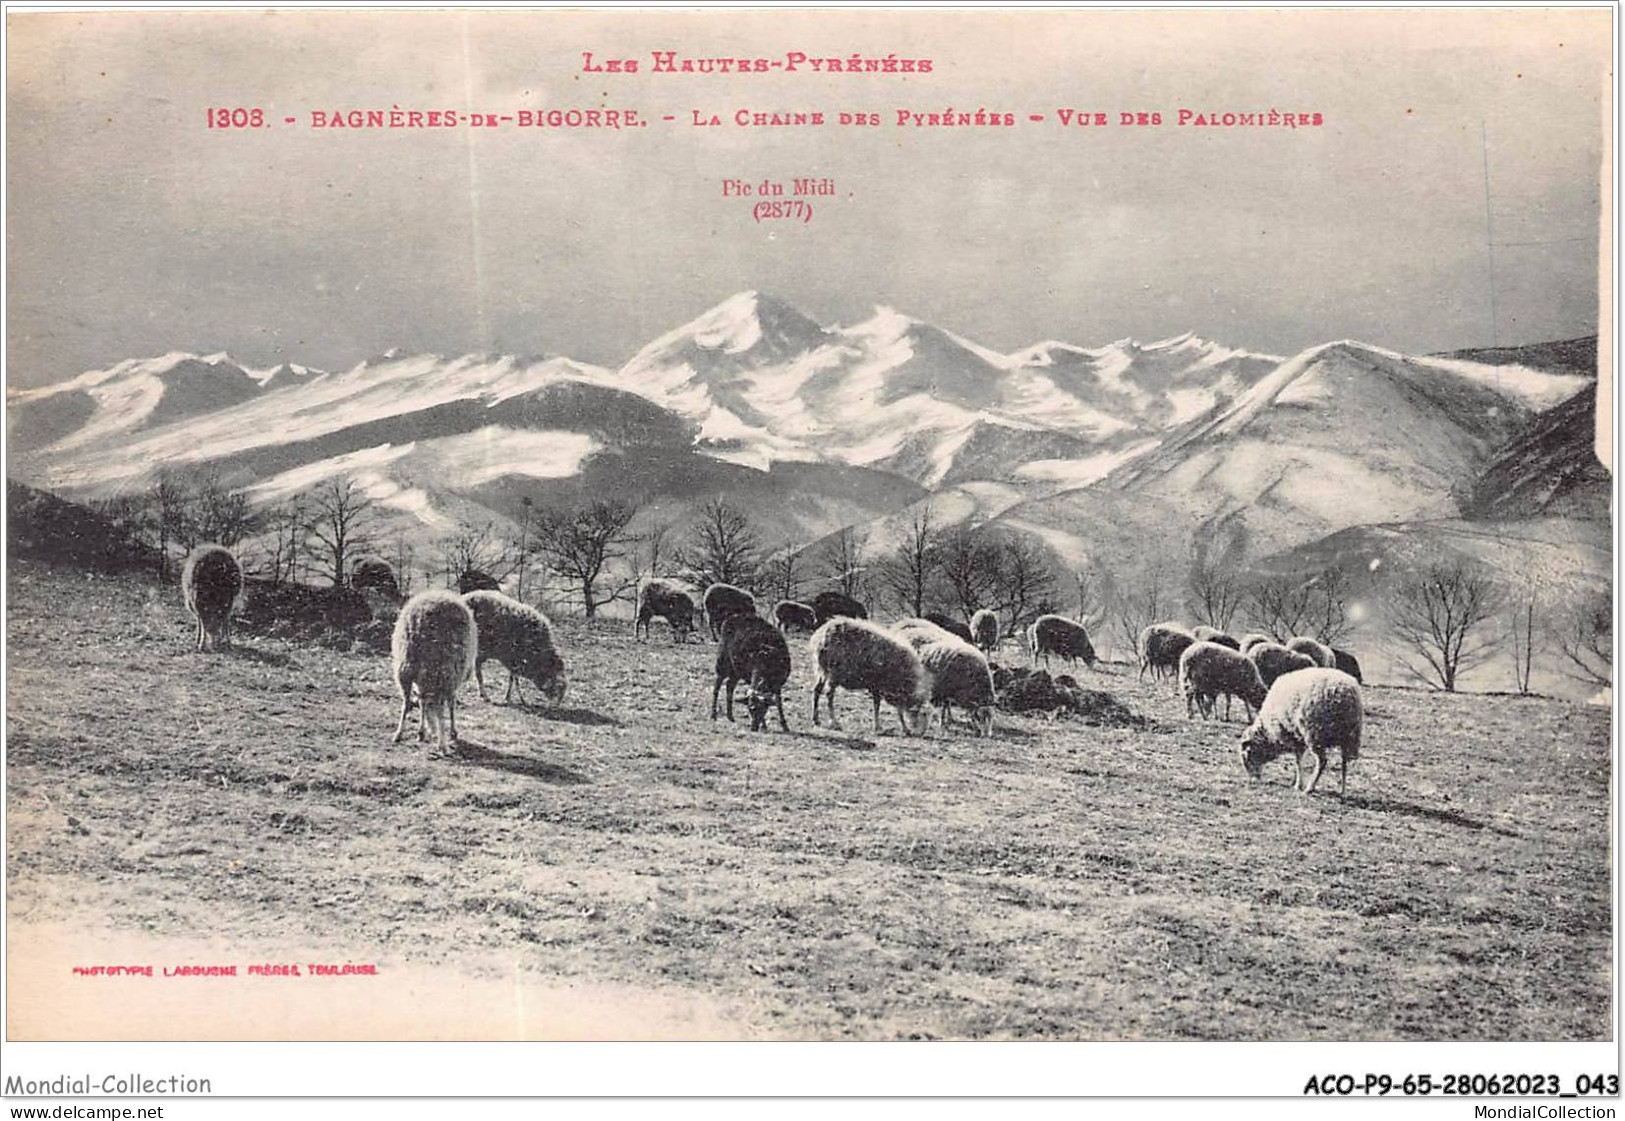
point(1280, 605)
point(782, 574)
point(400, 557)
point(1089, 591)
point(1144, 597)
point(969, 563)
point(906, 574)
point(168, 508)
point(287, 525)
point(1523, 633)
point(219, 514)
point(1439, 616)
point(1213, 587)
point(1584, 635)
point(1023, 585)
point(842, 563)
point(723, 546)
point(522, 560)
point(475, 548)
point(342, 518)
point(581, 544)
point(1328, 615)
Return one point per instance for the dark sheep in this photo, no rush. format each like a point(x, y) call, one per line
point(668, 601)
point(1058, 635)
point(373, 574)
point(722, 602)
point(791, 615)
point(211, 581)
point(1160, 646)
point(519, 637)
point(1348, 663)
point(832, 605)
point(473, 580)
point(952, 626)
point(753, 651)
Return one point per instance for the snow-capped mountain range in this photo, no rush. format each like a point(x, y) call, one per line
point(813, 427)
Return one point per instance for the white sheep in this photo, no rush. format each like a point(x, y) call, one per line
point(959, 673)
point(984, 627)
point(1319, 652)
point(434, 647)
point(521, 638)
point(1275, 661)
point(1252, 639)
point(211, 581)
point(1309, 712)
point(1209, 669)
point(856, 654)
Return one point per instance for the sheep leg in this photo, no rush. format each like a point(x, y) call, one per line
point(1320, 765)
point(1227, 707)
point(200, 633)
point(1342, 771)
point(732, 684)
point(451, 715)
point(716, 691)
point(784, 724)
point(479, 678)
point(406, 707)
point(818, 689)
point(876, 698)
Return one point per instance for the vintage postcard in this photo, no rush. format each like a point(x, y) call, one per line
point(1066, 525)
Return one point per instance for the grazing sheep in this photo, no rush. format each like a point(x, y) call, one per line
point(1348, 663)
point(1310, 712)
point(754, 651)
point(723, 601)
point(1058, 635)
point(374, 574)
point(1318, 651)
point(835, 605)
point(959, 675)
point(434, 646)
point(984, 627)
point(521, 638)
point(1160, 646)
point(952, 626)
point(1273, 660)
point(1207, 670)
point(211, 581)
point(473, 580)
point(1214, 634)
point(856, 654)
point(669, 602)
point(1248, 641)
point(791, 614)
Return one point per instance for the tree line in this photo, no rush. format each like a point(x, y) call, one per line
point(1446, 618)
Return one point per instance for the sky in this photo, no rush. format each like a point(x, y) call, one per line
point(134, 230)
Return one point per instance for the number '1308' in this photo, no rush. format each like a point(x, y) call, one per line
point(236, 118)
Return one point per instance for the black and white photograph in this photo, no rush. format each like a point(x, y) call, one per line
point(811, 525)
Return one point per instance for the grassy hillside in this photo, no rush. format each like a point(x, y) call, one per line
point(1058, 881)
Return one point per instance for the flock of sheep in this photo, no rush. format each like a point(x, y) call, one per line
point(1303, 698)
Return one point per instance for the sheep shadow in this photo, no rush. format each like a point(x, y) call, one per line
point(833, 738)
point(278, 658)
point(474, 754)
point(584, 717)
point(1424, 813)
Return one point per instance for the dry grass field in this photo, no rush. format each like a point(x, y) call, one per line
point(1059, 881)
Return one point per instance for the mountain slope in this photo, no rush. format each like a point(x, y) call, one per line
point(1548, 468)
